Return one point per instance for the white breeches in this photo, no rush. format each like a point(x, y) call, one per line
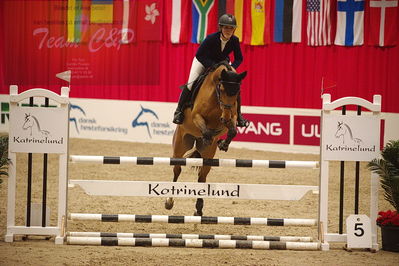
point(196, 69)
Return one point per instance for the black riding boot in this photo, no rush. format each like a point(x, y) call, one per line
point(179, 113)
point(241, 121)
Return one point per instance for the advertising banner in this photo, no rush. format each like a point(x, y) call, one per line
point(266, 129)
point(122, 120)
point(307, 130)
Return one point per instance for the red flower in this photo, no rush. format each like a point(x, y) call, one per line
point(388, 218)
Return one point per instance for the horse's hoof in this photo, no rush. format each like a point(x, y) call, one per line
point(197, 213)
point(222, 145)
point(169, 203)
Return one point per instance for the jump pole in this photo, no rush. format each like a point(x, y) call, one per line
point(193, 236)
point(191, 243)
point(192, 162)
point(190, 219)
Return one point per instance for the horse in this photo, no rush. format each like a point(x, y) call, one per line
point(344, 131)
point(213, 114)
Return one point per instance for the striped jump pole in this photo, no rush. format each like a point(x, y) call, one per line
point(190, 219)
point(192, 243)
point(193, 162)
point(193, 236)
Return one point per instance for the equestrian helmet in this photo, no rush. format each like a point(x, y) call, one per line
point(228, 20)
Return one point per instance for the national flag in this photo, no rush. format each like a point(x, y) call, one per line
point(102, 19)
point(383, 23)
point(149, 20)
point(318, 22)
point(288, 21)
point(233, 7)
point(78, 20)
point(101, 11)
point(180, 25)
point(125, 21)
point(257, 24)
point(125, 15)
point(204, 17)
point(350, 22)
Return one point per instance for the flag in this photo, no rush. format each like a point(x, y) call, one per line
point(125, 22)
point(125, 19)
point(233, 7)
point(78, 21)
point(383, 23)
point(318, 22)
point(180, 26)
point(101, 19)
point(66, 75)
point(350, 22)
point(257, 22)
point(149, 20)
point(101, 11)
point(288, 21)
point(204, 17)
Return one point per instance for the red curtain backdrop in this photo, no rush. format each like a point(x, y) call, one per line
point(34, 48)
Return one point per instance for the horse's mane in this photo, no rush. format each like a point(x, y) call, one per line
point(221, 63)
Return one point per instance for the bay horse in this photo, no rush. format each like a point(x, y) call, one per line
point(213, 114)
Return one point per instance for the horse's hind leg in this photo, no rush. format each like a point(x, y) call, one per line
point(208, 153)
point(180, 146)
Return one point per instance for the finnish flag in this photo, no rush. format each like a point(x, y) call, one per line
point(350, 22)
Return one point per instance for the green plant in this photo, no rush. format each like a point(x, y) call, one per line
point(4, 161)
point(388, 169)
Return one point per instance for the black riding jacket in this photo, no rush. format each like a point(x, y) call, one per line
point(209, 52)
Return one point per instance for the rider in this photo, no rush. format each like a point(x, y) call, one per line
point(215, 48)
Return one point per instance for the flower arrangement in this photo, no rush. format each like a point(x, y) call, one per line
point(388, 218)
point(388, 169)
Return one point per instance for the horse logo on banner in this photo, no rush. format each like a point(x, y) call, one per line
point(142, 119)
point(345, 132)
point(32, 125)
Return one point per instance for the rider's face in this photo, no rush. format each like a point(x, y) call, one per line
point(228, 31)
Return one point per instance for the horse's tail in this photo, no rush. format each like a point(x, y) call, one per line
point(193, 153)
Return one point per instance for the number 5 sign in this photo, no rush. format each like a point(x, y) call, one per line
point(358, 230)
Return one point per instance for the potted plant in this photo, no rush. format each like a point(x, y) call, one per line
point(4, 161)
point(387, 168)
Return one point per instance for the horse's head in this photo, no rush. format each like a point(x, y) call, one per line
point(227, 91)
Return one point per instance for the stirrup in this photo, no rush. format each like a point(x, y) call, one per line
point(242, 122)
point(178, 117)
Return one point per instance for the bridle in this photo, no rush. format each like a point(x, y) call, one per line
point(225, 105)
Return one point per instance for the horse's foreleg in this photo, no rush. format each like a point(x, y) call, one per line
point(202, 174)
point(181, 144)
point(176, 172)
point(207, 134)
point(223, 144)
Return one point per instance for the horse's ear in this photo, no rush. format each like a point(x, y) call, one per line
point(242, 75)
